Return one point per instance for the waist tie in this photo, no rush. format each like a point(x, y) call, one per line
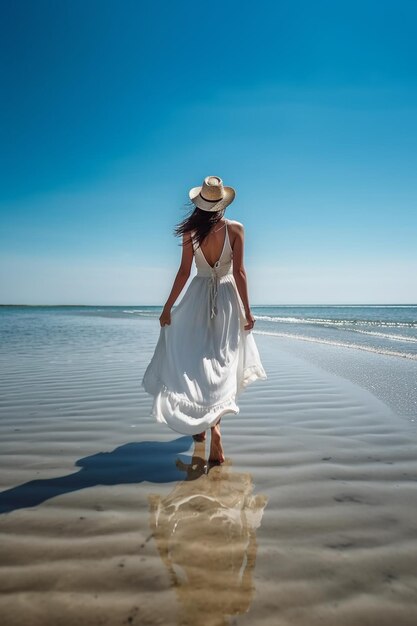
point(213, 289)
point(214, 274)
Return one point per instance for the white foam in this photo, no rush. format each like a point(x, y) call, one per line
point(144, 313)
point(385, 335)
point(342, 344)
point(335, 322)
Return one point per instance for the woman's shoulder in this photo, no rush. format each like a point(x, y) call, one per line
point(234, 224)
point(235, 230)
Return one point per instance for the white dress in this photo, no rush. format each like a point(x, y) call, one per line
point(205, 357)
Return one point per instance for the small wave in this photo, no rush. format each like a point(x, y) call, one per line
point(334, 322)
point(142, 312)
point(385, 335)
point(342, 344)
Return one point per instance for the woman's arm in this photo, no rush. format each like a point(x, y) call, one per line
point(180, 279)
point(239, 274)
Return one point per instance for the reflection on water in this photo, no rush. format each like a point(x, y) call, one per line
point(205, 532)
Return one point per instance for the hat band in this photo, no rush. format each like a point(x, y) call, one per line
point(207, 200)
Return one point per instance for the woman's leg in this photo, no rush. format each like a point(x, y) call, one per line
point(216, 448)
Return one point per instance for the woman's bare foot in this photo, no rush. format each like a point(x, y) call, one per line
point(216, 448)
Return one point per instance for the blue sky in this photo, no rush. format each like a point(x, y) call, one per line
point(111, 111)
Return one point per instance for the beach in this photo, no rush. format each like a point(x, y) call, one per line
point(107, 517)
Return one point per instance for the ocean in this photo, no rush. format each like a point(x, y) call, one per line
point(387, 329)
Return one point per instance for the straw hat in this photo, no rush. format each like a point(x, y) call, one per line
point(212, 195)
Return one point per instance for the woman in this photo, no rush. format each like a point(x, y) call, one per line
point(205, 355)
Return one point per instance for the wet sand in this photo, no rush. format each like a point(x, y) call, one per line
point(109, 518)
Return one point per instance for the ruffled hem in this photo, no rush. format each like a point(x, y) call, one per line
point(186, 425)
point(195, 406)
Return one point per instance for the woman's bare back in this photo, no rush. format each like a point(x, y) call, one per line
point(212, 245)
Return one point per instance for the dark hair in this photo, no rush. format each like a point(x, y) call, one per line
point(198, 220)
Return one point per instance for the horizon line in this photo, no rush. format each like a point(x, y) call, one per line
point(253, 305)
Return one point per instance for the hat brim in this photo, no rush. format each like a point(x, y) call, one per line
point(194, 195)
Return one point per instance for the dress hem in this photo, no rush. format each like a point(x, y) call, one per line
point(211, 413)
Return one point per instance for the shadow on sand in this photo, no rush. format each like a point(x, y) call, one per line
point(204, 529)
point(153, 461)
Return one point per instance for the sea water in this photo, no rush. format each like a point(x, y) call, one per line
point(387, 329)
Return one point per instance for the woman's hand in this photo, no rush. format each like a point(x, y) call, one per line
point(250, 321)
point(165, 317)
